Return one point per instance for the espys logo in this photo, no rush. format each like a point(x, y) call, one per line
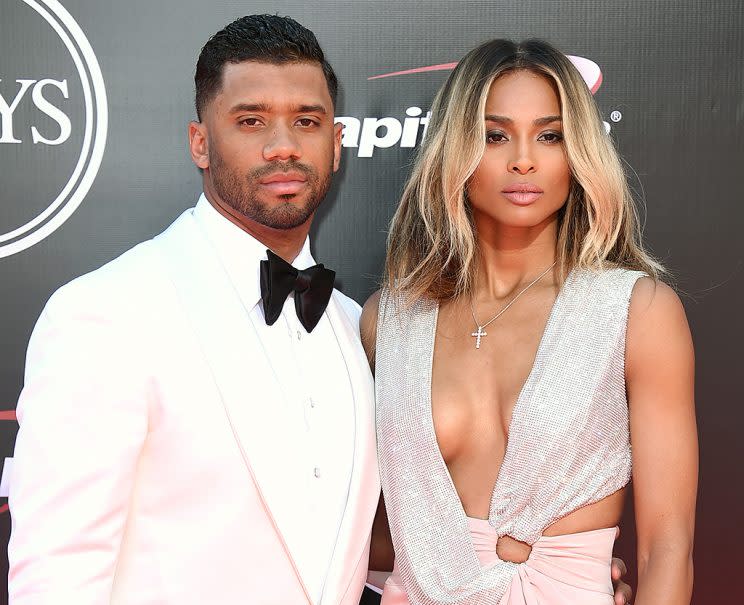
point(53, 122)
point(368, 134)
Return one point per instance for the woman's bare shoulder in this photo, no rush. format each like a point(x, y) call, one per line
point(657, 325)
point(654, 303)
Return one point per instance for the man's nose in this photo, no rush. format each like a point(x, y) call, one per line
point(282, 144)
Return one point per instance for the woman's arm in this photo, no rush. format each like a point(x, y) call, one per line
point(368, 327)
point(381, 554)
point(381, 549)
point(660, 381)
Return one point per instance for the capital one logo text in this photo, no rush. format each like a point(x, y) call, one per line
point(10, 132)
point(371, 133)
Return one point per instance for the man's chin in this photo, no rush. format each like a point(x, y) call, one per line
point(281, 215)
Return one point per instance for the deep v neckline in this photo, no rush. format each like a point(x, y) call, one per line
point(519, 405)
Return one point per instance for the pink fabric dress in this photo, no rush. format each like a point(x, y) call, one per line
point(573, 569)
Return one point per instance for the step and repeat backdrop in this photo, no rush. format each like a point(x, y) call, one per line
point(96, 95)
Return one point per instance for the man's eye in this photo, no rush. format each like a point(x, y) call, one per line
point(249, 121)
point(306, 122)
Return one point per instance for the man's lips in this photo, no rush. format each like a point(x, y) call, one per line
point(284, 183)
point(522, 194)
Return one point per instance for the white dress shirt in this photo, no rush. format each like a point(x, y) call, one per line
point(314, 429)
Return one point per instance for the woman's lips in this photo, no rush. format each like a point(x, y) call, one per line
point(521, 198)
point(522, 194)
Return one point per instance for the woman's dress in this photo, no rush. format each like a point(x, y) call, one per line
point(568, 446)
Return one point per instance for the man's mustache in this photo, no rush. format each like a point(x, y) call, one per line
point(289, 166)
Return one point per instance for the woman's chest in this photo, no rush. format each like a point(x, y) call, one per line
point(474, 390)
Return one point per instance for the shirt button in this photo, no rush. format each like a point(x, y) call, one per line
point(316, 472)
point(311, 401)
point(299, 335)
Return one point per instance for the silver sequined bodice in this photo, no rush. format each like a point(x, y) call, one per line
point(568, 442)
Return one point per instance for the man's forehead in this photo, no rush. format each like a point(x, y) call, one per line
point(284, 85)
point(265, 73)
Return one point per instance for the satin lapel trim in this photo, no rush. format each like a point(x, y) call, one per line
point(364, 485)
point(232, 348)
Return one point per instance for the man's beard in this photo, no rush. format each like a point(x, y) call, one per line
point(240, 192)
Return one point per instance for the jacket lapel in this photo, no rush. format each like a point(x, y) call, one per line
point(242, 372)
point(364, 487)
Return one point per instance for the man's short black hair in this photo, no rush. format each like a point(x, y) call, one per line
point(263, 38)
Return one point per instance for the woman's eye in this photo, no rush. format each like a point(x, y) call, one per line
point(551, 137)
point(495, 137)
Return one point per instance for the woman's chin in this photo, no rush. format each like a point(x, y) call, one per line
point(518, 218)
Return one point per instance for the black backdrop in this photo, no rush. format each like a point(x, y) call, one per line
point(672, 92)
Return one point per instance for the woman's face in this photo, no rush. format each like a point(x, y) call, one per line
point(524, 177)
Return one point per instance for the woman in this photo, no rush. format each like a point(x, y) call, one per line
point(522, 340)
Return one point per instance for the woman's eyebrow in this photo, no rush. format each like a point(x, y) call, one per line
point(538, 122)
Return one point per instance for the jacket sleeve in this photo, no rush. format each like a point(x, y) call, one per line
point(83, 420)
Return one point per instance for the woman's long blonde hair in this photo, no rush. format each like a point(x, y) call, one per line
point(432, 246)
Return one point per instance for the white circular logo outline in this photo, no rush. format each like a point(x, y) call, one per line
point(96, 113)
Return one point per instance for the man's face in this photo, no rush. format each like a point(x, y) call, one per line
point(270, 144)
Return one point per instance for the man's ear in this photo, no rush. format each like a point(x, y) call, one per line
point(338, 129)
point(198, 144)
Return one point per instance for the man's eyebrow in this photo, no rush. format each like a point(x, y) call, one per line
point(310, 109)
point(266, 108)
point(260, 107)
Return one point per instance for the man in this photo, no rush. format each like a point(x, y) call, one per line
point(196, 423)
point(174, 447)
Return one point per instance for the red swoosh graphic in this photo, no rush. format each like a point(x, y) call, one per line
point(417, 70)
point(595, 88)
point(448, 66)
point(8, 415)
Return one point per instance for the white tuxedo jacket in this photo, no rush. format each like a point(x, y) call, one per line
point(140, 472)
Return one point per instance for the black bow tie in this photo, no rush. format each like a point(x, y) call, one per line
point(312, 287)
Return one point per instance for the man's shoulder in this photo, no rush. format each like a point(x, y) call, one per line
point(134, 280)
point(116, 284)
point(349, 305)
point(130, 276)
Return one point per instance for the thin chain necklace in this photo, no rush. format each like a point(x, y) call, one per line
point(480, 333)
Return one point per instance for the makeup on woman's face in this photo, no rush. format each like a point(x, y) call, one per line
point(523, 178)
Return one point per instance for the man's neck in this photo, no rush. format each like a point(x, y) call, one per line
point(286, 243)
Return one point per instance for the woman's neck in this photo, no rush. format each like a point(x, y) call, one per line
point(512, 256)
